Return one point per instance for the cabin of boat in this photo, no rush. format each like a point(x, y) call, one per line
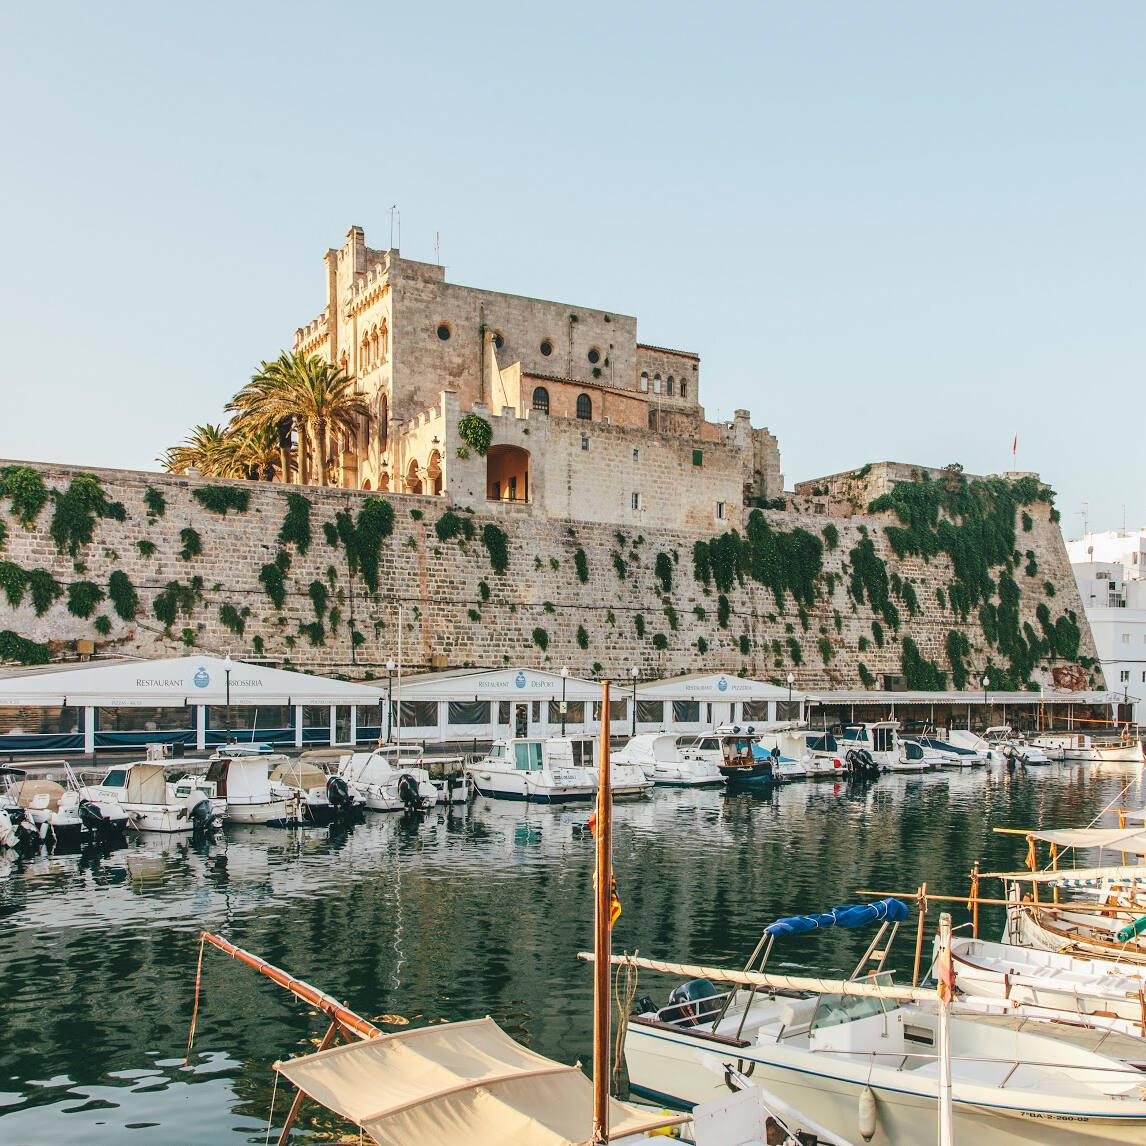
point(659, 756)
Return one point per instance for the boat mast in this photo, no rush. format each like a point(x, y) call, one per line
point(602, 947)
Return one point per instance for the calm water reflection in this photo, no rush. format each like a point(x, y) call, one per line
point(455, 917)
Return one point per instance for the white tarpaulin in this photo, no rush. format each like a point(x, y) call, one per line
point(1132, 841)
point(459, 1082)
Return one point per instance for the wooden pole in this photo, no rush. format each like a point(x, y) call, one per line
point(602, 947)
point(292, 1114)
point(946, 1120)
point(921, 900)
point(975, 901)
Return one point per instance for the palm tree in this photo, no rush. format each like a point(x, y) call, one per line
point(262, 404)
point(197, 452)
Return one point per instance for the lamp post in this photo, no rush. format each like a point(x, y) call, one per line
point(986, 715)
point(564, 678)
point(791, 681)
point(389, 698)
point(636, 673)
point(227, 674)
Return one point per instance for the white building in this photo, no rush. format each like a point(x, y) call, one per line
point(1109, 568)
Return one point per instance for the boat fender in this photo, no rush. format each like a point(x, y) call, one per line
point(867, 1113)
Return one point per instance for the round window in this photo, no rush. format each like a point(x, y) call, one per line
point(594, 356)
point(546, 347)
point(444, 332)
point(498, 339)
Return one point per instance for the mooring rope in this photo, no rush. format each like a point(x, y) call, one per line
point(631, 974)
point(271, 1115)
point(195, 1008)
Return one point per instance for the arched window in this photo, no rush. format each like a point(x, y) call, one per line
point(644, 380)
point(383, 422)
point(656, 383)
point(584, 407)
point(541, 399)
point(683, 388)
point(668, 386)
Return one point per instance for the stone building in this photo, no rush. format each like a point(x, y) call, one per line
point(588, 423)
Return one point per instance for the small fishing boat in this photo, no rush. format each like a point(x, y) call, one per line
point(52, 808)
point(741, 761)
point(546, 771)
point(17, 831)
point(827, 758)
point(1123, 746)
point(1051, 984)
point(389, 779)
point(864, 1058)
point(325, 799)
point(792, 757)
point(1009, 748)
point(156, 804)
point(243, 779)
point(659, 757)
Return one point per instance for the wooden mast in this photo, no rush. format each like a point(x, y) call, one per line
point(602, 948)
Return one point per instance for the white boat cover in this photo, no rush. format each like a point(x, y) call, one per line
point(1129, 840)
point(459, 1082)
point(298, 774)
point(146, 784)
point(26, 791)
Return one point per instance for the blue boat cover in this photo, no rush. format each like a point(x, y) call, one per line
point(858, 915)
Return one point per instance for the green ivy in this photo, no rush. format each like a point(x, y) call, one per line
point(496, 542)
point(123, 595)
point(416, 515)
point(45, 590)
point(272, 576)
point(375, 522)
point(173, 600)
point(296, 525)
point(25, 486)
point(701, 645)
point(192, 544)
point(220, 498)
point(83, 597)
point(827, 650)
point(451, 524)
point(700, 612)
point(541, 639)
point(866, 679)
point(474, 616)
point(314, 632)
point(1032, 565)
point(581, 564)
point(146, 548)
point(318, 597)
point(483, 591)
point(21, 650)
point(877, 634)
point(582, 637)
point(745, 644)
point(863, 644)
point(258, 645)
point(639, 621)
point(660, 642)
point(958, 648)
point(102, 625)
point(76, 510)
point(13, 582)
point(869, 580)
point(831, 536)
point(476, 433)
point(920, 674)
point(334, 617)
point(232, 619)
point(673, 620)
point(619, 565)
point(155, 502)
point(1048, 588)
point(1027, 522)
point(663, 571)
point(795, 652)
point(702, 568)
point(723, 611)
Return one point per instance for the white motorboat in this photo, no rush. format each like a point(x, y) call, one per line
point(1051, 984)
point(1006, 747)
point(865, 1065)
point(659, 757)
point(949, 754)
point(547, 771)
point(52, 808)
point(16, 827)
point(243, 779)
point(324, 798)
point(827, 762)
point(389, 779)
point(881, 741)
point(920, 757)
point(793, 758)
point(156, 804)
point(1121, 747)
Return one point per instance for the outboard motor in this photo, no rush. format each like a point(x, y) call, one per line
point(408, 793)
point(860, 763)
point(200, 815)
point(1013, 756)
point(338, 792)
point(92, 818)
point(27, 834)
point(692, 1003)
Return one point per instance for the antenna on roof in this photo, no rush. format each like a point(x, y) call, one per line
point(438, 247)
point(394, 211)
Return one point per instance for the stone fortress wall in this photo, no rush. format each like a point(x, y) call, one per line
point(637, 599)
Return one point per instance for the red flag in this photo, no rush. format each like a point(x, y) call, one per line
point(1015, 446)
point(593, 825)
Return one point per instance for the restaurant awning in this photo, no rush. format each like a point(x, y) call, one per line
point(713, 687)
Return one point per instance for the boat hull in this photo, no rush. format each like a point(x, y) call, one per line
point(271, 813)
point(669, 1068)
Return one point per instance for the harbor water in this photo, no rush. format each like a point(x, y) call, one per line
point(450, 916)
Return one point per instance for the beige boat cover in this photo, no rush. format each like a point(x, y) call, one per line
point(146, 784)
point(1129, 840)
point(459, 1082)
point(298, 774)
point(26, 791)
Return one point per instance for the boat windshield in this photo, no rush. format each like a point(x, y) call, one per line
point(528, 756)
point(914, 751)
point(832, 1010)
point(823, 742)
point(883, 739)
point(116, 778)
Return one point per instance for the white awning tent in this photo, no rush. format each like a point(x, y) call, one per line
point(184, 682)
point(706, 700)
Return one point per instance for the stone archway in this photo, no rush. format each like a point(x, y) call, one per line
point(434, 477)
point(507, 474)
point(413, 479)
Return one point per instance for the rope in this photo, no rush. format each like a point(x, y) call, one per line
point(195, 1009)
point(631, 974)
point(271, 1115)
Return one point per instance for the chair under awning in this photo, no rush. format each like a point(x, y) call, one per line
point(459, 1082)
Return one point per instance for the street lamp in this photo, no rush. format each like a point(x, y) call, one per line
point(227, 674)
point(636, 673)
point(564, 678)
point(389, 698)
point(791, 681)
point(986, 715)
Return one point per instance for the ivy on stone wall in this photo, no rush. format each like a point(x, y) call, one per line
point(146, 548)
point(541, 639)
point(701, 645)
point(831, 536)
point(476, 432)
point(154, 502)
point(22, 651)
point(723, 611)
point(83, 597)
point(220, 498)
point(869, 580)
point(639, 621)
point(794, 651)
point(958, 649)
point(451, 525)
point(272, 576)
point(866, 679)
point(192, 544)
point(314, 633)
point(318, 597)
point(25, 487)
point(920, 674)
point(123, 596)
point(660, 642)
point(375, 522)
point(619, 565)
point(671, 617)
point(496, 542)
point(827, 650)
point(663, 571)
point(296, 524)
point(13, 582)
point(582, 637)
point(581, 564)
point(176, 598)
point(76, 510)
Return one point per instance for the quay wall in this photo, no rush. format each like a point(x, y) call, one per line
point(458, 612)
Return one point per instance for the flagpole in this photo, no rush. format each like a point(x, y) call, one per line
point(946, 1130)
point(602, 946)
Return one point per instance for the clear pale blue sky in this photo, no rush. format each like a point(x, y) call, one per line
point(892, 230)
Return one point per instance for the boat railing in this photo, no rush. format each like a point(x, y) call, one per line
point(706, 1012)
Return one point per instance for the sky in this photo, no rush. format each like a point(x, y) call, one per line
point(892, 230)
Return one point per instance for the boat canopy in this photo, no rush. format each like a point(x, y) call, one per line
point(298, 774)
point(146, 784)
point(26, 792)
point(857, 915)
point(416, 1088)
point(1132, 841)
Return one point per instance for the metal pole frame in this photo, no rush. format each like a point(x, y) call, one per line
point(602, 935)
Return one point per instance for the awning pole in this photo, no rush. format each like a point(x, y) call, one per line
point(292, 1114)
point(602, 946)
